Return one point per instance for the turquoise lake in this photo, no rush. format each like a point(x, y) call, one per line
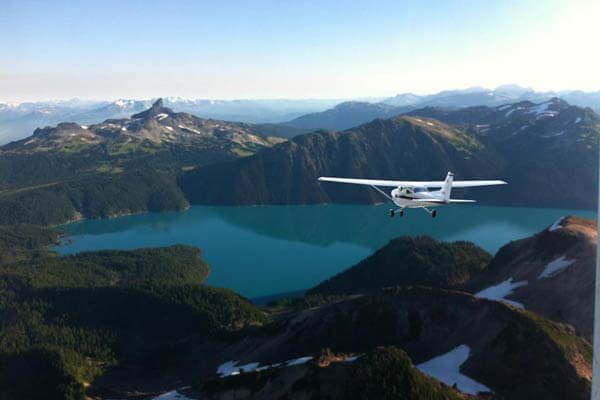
point(266, 250)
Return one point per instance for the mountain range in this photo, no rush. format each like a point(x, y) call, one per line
point(349, 114)
point(163, 160)
point(18, 120)
point(547, 152)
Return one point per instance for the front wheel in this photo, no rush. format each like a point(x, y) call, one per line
point(433, 213)
point(392, 213)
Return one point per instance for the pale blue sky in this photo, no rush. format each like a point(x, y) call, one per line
point(292, 49)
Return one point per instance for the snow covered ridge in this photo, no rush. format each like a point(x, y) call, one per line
point(446, 368)
point(500, 291)
point(541, 110)
point(556, 267)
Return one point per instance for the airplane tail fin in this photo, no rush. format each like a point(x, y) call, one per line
point(447, 188)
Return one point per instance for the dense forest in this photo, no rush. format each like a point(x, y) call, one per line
point(65, 320)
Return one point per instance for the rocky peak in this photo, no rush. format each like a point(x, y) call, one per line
point(158, 104)
point(555, 272)
point(156, 109)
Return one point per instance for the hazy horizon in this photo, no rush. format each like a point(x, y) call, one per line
point(356, 98)
point(270, 50)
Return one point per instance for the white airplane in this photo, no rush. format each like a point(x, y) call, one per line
point(417, 194)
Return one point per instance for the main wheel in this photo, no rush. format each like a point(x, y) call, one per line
point(392, 213)
point(433, 213)
point(402, 213)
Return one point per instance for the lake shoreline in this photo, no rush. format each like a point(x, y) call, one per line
point(268, 252)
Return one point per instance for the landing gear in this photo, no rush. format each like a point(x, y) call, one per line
point(433, 213)
point(393, 212)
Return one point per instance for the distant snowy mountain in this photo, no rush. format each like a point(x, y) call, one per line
point(350, 114)
point(478, 96)
point(19, 120)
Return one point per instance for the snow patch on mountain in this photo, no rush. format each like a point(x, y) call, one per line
point(446, 368)
point(556, 225)
point(231, 368)
point(542, 110)
point(500, 291)
point(556, 267)
point(512, 110)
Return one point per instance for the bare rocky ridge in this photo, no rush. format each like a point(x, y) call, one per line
point(558, 268)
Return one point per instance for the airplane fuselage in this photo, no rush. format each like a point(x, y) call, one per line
point(405, 196)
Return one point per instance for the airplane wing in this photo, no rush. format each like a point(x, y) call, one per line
point(464, 184)
point(442, 201)
point(369, 182)
point(377, 182)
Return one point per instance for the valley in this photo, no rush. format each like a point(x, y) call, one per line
point(347, 303)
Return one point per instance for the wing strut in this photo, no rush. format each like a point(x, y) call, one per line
point(383, 193)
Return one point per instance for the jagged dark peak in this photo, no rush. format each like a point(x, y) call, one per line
point(158, 103)
point(156, 109)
